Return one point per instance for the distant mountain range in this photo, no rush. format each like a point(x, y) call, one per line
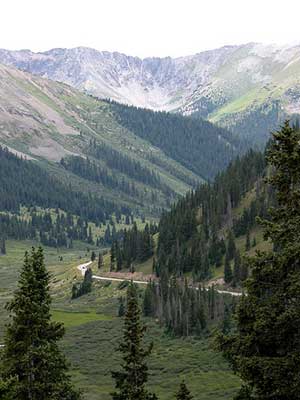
point(247, 88)
point(134, 157)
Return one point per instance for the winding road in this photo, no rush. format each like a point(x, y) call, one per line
point(83, 267)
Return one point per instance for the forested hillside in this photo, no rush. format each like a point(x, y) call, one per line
point(197, 144)
point(135, 158)
point(198, 234)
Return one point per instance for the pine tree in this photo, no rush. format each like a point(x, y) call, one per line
point(100, 261)
point(112, 256)
point(130, 381)
point(3, 247)
point(227, 270)
point(231, 246)
point(183, 393)
point(121, 310)
point(248, 245)
point(265, 351)
point(148, 301)
point(31, 359)
point(237, 267)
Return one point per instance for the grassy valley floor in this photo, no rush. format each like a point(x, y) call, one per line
point(93, 332)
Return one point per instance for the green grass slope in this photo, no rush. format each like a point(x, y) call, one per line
point(46, 121)
point(93, 332)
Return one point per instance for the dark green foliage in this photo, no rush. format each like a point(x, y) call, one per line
point(182, 138)
point(26, 183)
point(91, 171)
point(248, 243)
point(120, 163)
point(31, 361)
point(188, 239)
point(149, 301)
point(183, 393)
point(100, 261)
point(227, 270)
point(2, 246)
point(257, 122)
point(131, 379)
point(183, 310)
point(244, 271)
point(265, 351)
point(54, 231)
point(85, 286)
point(122, 309)
point(231, 246)
point(237, 268)
point(93, 256)
point(134, 245)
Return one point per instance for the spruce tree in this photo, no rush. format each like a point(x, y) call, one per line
point(100, 261)
point(130, 381)
point(231, 246)
point(148, 300)
point(3, 247)
point(227, 270)
point(183, 393)
point(93, 256)
point(237, 268)
point(121, 310)
point(265, 351)
point(248, 244)
point(31, 361)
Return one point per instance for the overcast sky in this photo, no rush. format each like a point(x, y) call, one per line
point(147, 28)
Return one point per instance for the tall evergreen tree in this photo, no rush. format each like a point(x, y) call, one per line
point(265, 351)
point(227, 270)
point(100, 261)
point(31, 359)
point(183, 393)
point(231, 246)
point(130, 381)
point(3, 247)
point(248, 243)
point(237, 267)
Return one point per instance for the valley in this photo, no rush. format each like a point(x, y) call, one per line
point(143, 202)
point(93, 331)
point(234, 86)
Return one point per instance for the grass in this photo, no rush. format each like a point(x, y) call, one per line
point(71, 319)
point(93, 332)
point(172, 360)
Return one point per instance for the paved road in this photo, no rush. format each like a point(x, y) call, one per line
point(84, 267)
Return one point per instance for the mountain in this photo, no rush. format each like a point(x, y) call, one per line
point(247, 88)
point(212, 227)
point(138, 158)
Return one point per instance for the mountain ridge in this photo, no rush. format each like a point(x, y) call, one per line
point(233, 86)
point(49, 121)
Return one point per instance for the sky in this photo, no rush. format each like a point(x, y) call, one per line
point(147, 28)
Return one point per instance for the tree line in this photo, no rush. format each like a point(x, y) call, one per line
point(183, 138)
point(123, 164)
point(25, 183)
point(185, 310)
point(134, 245)
point(56, 229)
point(189, 234)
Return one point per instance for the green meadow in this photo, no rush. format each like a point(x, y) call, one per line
point(93, 332)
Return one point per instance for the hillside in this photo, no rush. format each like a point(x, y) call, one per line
point(207, 233)
point(238, 87)
point(48, 121)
